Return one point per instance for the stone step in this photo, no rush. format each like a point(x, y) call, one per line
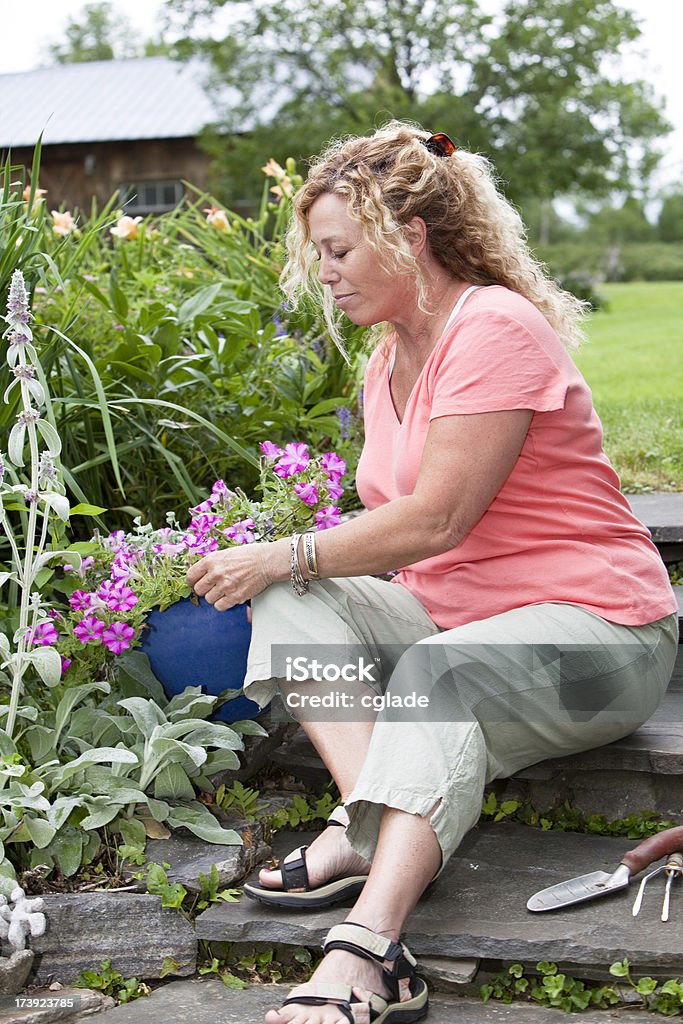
point(662, 513)
point(641, 772)
point(477, 908)
point(207, 1000)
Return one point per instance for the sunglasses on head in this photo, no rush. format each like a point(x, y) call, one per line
point(439, 144)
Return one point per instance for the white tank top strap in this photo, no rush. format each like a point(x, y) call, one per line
point(454, 312)
point(460, 303)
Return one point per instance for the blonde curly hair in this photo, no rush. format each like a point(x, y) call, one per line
point(473, 231)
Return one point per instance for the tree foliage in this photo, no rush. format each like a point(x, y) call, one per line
point(99, 32)
point(536, 86)
point(670, 223)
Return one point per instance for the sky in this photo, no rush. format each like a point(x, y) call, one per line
point(28, 26)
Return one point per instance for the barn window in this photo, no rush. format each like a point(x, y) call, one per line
point(151, 196)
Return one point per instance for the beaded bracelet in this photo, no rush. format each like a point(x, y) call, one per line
point(299, 584)
point(311, 556)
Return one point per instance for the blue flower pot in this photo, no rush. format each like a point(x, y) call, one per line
point(194, 645)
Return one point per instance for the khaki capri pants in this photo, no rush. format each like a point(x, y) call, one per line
point(497, 695)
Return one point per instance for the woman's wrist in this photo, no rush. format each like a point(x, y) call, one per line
point(277, 560)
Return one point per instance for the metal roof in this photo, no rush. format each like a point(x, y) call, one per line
point(104, 101)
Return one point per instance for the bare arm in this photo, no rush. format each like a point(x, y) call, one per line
point(465, 462)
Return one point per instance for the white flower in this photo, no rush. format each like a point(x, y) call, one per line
point(127, 227)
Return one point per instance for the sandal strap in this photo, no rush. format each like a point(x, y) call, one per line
point(339, 816)
point(395, 959)
point(356, 1009)
point(295, 873)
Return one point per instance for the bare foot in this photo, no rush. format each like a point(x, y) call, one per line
point(330, 855)
point(338, 967)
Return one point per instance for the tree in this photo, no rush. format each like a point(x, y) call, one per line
point(670, 222)
point(612, 225)
point(101, 33)
point(526, 86)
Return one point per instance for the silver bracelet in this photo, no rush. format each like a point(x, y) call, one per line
point(299, 584)
point(311, 556)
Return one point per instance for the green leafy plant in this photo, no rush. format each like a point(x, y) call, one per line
point(554, 988)
point(122, 767)
point(303, 811)
point(666, 998)
point(566, 818)
point(240, 798)
point(239, 967)
point(111, 982)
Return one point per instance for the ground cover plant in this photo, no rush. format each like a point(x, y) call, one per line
point(632, 363)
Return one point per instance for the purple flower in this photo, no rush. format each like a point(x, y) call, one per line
point(333, 465)
point(89, 628)
point(120, 571)
point(308, 493)
point(118, 636)
point(221, 492)
point(83, 568)
point(171, 550)
point(327, 517)
point(117, 596)
point(80, 600)
point(44, 635)
point(270, 450)
point(116, 541)
point(334, 489)
point(199, 544)
point(66, 664)
point(294, 459)
point(344, 417)
point(242, 532)
point(204, 506)
point(203, 523)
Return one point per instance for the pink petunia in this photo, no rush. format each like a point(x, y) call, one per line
point(117, 596)
point(120, 571)
point(170, 550)
point(44, 635)
point(82, 569)
point(294, 460)
point(204, 506)
point(332, 464)
point(89, 628)
point(80, 600)
point(66, 664)
point(199, 544)
point(221, 492)
point(327, 517)
point(242, 532)
point(203, 523)
point(116, 540)
point(270, 450)
point(334, 489)
point(117, 637)
point(308, 493)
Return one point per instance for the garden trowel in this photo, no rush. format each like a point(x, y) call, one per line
point(602, 883)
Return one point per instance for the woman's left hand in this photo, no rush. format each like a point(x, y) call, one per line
point(235, 575)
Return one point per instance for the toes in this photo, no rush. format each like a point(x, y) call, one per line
point(270, 879)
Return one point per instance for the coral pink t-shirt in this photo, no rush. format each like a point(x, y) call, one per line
point(559, 529)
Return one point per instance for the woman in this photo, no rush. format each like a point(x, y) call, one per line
point(532, 611)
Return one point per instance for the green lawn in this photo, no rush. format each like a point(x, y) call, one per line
point(633, 363)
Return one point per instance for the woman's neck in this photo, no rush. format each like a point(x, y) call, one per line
point(418, 331)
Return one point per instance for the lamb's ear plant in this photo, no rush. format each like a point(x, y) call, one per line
point(36, 492)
